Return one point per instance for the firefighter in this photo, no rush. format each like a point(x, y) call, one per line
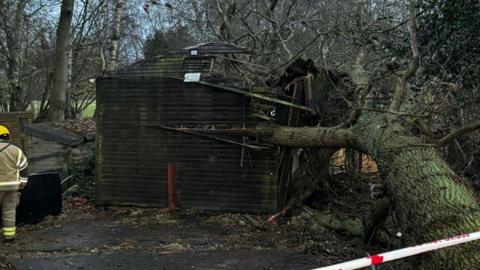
point(13, 176)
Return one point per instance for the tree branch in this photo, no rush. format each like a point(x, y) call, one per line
point(307, 136)
point(361, 79)
point(413, 30)
point(401, 88)
point(273, 5)
point(457, 133)
point(115, 38)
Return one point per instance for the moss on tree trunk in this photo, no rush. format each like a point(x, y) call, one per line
point(431, 202)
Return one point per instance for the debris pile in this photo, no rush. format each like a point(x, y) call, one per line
point(78, 125)
point(83, 126)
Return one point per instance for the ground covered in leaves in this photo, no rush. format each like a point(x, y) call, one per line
point(85, 237)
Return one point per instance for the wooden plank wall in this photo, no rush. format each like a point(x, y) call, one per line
point(47, 156)
point(132, 155)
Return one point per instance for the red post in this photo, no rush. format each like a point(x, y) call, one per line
point(171, 186)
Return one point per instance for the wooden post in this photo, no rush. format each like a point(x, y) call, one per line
point(171, 186)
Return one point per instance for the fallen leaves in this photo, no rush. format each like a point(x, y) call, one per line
point(4, 264)
point(82, 126)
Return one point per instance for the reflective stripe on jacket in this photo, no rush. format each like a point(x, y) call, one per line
point(12, 161)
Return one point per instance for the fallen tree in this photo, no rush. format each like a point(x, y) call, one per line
point(428, 199)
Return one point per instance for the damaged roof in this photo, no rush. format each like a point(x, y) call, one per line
point(199, 58)
point(166, 66)
point(207, 48)
point(49, 132)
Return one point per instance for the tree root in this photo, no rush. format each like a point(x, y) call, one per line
point(375, 220)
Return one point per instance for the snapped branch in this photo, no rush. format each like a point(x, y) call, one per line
point(307, 136)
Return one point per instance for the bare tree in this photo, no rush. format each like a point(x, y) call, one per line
point(116, 23)
point(13, 49)
point(60, 81)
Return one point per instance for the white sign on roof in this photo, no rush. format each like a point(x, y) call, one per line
point(192, 77)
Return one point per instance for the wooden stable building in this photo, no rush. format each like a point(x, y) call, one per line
point(149, 115)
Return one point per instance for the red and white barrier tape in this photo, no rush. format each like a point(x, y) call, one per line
point(402, 253)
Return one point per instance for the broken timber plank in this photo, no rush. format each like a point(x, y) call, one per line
point(256, 95)
point(190, 132)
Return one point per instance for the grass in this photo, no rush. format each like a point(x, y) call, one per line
point(89, 111)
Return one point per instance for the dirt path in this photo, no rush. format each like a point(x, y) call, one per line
point(132, 238)
point(106, 244)
point(85, 237)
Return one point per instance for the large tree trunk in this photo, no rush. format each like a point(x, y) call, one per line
point(430, 201)
point(433, 204)
point(58, 94)
point(14, 58)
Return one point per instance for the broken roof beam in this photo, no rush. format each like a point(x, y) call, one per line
point(258, 96)
point(199, 133)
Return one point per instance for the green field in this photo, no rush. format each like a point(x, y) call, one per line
point(88, 113)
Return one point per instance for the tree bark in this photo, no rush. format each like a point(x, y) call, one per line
point(227, 16)
point(308, 136)
point(58, 95)
point(426, 193)
point(14, 58)
point(430, 201)
point(68, 90)
point(113, 50)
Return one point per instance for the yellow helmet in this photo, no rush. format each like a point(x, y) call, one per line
point(4, 130)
